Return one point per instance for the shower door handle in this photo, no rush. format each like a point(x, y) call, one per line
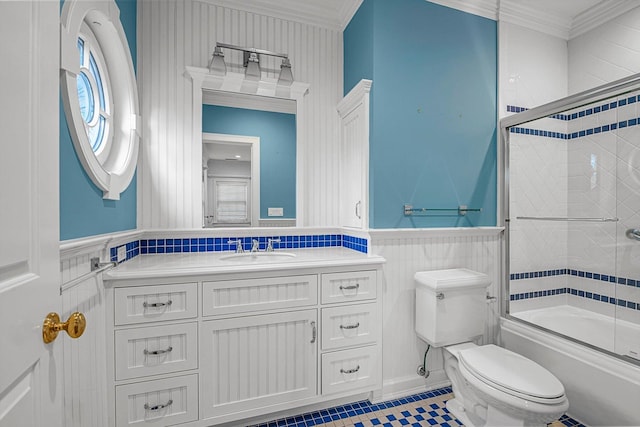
point(633, 233)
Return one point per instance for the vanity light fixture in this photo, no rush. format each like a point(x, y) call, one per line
point(251, 63)
point(252, 66)
point(286, 76)
point(217, 65)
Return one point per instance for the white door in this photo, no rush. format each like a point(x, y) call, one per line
point(30, 371)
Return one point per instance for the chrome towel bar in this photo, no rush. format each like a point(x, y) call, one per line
point(462, 210)
point(557, 218)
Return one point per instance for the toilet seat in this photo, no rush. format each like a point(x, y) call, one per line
point(495, 366)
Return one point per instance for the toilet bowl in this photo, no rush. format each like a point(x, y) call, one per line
point(497, 387)
point(492, 385)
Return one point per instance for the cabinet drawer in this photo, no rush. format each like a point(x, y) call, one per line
point(350, 286)
point(241, 296)
point(158, 403)
point(156, 350)
point(350, 325)
point(345, 370)
point(155, 303)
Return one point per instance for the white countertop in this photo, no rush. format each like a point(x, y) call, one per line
point(200, 263)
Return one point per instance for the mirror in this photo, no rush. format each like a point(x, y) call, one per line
point(267, 120)
point(268, 195)
point(231, 180)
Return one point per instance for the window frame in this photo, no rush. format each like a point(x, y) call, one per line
point(112, 167)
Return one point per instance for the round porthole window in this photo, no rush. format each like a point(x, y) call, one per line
point(99, 93)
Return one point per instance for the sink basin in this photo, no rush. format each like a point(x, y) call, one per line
point(255, 257)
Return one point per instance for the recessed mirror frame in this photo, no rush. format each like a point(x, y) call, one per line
point(267, 92)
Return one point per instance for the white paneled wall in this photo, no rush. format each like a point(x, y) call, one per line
point(409, 251)
point(174, 34)
point(84, 361)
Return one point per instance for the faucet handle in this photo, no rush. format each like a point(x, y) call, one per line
point(270, 243)
point(238, 242)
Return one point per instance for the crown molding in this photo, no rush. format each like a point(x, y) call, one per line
point(336, 14)
point(515, 13)
point(347, 10)
point(325, 15)
point(485, 8)
point(354, 97)
point(599, 14)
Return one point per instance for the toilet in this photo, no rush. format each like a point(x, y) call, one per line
point(492, 385)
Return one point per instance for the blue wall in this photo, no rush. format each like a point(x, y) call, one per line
point(83, 211)
point(358, 47)
point(434, 101)
point(277, 132)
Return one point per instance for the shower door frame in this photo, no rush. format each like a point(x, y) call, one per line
point(599, 93)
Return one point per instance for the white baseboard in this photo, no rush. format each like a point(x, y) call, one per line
point(406, 386)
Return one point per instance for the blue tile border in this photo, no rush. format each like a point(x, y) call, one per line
point(578, 273)
point(133, 250)
point(583, 113)
point(221, 244)
point(621, 281)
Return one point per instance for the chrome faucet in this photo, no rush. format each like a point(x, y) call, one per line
point(238, 242)
point(255, 245)
point(270, 244)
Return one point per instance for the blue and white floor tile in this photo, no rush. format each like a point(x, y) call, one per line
point(423, 409)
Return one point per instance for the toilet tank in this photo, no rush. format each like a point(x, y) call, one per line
point(450, 305)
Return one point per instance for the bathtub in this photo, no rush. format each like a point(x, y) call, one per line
point(603, 390)
point(599, 330)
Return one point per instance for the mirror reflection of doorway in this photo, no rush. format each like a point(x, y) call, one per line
point(231, 180)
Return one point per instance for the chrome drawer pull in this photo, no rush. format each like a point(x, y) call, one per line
point(157, 352)
point(350, 326)
point(350, 371)
point(350, 287)
point(314, 332)
point(157, 407)
point(157, 304)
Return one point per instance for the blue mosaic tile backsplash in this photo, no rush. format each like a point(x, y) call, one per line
point(223, 244)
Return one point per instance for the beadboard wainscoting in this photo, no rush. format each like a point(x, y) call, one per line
point(407, 251)
point(176, 34)
point(85, 358)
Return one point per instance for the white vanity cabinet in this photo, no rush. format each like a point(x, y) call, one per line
point(207, 349)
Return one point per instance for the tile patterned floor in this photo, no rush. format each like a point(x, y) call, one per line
point(423, 409)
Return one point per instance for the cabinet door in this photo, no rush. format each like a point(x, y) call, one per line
point(354, 156)
point(257, 361)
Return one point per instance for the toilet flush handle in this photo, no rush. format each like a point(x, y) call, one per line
point(440, 295)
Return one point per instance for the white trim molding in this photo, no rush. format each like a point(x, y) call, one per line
point(266, 90)
point(485, 8)
point(114, 173)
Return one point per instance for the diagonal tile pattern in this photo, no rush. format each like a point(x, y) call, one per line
point(419, 410)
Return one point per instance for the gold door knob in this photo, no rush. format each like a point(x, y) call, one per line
point(74, 326)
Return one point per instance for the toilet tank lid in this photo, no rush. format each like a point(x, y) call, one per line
point(456, 278)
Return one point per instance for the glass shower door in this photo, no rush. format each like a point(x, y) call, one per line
point(627, 305)
point(563, 223)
